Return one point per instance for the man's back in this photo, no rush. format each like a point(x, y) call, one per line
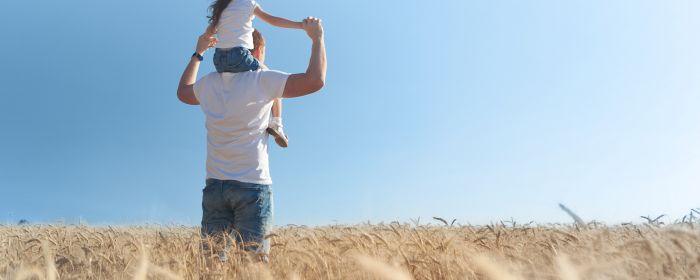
point(237, 110)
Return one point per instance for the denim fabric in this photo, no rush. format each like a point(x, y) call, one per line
point(237, 211)
point(235, 60)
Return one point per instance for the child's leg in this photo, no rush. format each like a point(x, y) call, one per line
point(277, 108)
point(235, 60)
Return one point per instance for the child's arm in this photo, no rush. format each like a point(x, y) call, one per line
point(277, 21)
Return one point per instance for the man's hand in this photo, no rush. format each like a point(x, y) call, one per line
point(313, 28)
point(206, 41)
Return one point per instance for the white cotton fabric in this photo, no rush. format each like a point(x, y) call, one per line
point(237, 107)
point(236, 25)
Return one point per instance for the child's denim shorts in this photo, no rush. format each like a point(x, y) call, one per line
point(235, 60)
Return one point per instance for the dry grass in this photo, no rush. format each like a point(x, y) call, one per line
point(384, 251)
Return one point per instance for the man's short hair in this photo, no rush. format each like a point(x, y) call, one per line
point(258, 40)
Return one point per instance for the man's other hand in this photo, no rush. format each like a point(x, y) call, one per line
point(206, 41)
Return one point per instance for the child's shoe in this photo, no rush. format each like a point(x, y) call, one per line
point(275, 128)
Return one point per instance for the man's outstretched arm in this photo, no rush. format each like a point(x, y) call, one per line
point(315, 77)
point(185, 90)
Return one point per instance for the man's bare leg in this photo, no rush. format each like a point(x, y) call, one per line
point(275, 128)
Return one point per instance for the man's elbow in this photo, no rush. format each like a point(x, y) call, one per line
point(180, 95)
point(317, 84)
point(302, 84)
point(186, 98)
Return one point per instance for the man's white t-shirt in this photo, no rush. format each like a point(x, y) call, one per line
point(237, 110)
point(236, 25)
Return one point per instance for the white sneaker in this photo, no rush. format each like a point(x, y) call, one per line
point(280, 136)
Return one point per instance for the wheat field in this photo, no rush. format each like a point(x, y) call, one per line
point(440, 250)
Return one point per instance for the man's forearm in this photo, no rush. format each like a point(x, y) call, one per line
point(189, 77)
point(185, 89)
point(318, 63)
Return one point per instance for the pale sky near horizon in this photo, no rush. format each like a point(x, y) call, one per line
point(478, 111)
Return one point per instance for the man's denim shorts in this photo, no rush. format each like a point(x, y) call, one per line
point(233, 210)
point(235, 60)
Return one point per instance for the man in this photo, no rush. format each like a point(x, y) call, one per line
point(237, 199)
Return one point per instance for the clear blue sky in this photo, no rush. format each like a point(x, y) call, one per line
point(474, 110)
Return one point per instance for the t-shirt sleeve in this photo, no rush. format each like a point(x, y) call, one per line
point(203, 85)
point(198, 88)
point(273, 83)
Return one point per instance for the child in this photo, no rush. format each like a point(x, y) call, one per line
point(232, 21)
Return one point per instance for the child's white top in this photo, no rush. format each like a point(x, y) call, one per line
point(236, 25)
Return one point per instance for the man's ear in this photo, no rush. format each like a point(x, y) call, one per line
point(256, 53)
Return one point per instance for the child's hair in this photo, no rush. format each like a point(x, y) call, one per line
point(217, 8)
